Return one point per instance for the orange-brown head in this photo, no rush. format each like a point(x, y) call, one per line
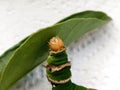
point(56, 44)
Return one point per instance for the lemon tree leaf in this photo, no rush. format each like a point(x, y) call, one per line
point(33, 50)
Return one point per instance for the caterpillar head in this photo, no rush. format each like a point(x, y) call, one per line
point(56, 44)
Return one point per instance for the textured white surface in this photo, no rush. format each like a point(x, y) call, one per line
point(95, 57)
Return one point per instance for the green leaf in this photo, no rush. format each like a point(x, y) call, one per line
point(33, 50)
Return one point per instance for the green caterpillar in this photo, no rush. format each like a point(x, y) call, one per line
point(58, 68)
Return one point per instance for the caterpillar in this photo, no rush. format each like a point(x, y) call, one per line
point(58, 68)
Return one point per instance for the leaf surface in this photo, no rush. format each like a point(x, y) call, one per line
point(33, 50)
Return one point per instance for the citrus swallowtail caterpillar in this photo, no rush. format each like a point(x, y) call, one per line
point(58, 68)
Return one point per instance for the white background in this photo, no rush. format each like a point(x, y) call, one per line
point(95, 57)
